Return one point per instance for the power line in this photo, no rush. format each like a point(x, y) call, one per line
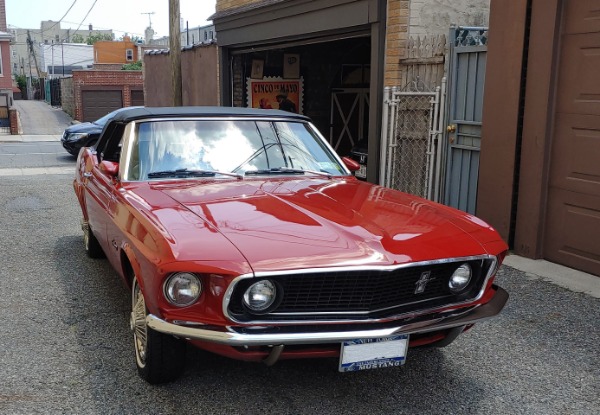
point(86, 15)
point(65, 15)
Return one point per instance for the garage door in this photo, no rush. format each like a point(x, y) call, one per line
point(137, 97)
point(96, 104)
point(573, 218)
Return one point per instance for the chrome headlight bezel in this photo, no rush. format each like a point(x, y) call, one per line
point(461, 278)
point(266, 288)
point(182, 289)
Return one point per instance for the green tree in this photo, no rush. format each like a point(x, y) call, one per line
point(21, 82)
point(135, 66)
point(77, 38)
point(93, 38)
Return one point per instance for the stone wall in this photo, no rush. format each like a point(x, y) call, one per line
point(67, 98)
point(434, 17)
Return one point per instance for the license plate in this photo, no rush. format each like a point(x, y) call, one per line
point(362, 354)
point(361, 172)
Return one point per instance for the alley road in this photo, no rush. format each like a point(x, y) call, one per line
point(66, 347)
point(38, 118)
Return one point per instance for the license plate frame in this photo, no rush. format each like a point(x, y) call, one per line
point(364, 354)
point(361, 173)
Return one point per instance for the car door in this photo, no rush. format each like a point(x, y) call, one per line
point(98, 198)
point(99, 189)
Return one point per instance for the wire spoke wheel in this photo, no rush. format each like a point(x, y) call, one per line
point(159, 357)
point(138, 325)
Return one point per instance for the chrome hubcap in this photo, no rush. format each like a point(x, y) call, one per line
point(86, 238)
point(138, 324)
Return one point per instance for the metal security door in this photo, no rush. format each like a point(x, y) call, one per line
point(468, 50)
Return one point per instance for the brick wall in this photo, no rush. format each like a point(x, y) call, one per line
point(234, 4)
point(124, 80)
point(3, 27)
point(396, 40)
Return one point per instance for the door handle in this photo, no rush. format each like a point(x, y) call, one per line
point(451, 128)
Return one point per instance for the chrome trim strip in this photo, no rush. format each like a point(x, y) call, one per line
point(389, 268)
point(230, 337)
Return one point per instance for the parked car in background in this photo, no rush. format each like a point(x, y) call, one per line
point(241, 232)
point(84, 134)
point(360, 154)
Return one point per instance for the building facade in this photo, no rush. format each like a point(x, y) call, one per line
point(344, 53)
point(6, 85)
point(59, 60)
point(27, 49)
point(540, 169)
point(115, 52)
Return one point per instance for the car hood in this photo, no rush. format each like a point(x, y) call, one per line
point(311, 223)
point(84, 127)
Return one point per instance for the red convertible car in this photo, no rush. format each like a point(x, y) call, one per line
point(242, 232)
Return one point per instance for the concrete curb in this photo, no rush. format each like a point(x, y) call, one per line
point(560, 275)
point(21, 138)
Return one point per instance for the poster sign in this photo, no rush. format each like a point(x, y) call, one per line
point(276, 93)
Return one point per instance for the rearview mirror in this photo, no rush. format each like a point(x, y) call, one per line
point(352, 165)
point(110, 168)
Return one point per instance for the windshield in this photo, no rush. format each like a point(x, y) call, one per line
point(226, 147)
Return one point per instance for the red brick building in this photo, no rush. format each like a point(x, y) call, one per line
point(96, 93)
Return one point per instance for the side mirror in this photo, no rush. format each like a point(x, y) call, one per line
point(352, 165)
point(110, 168)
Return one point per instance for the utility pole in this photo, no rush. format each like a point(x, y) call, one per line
point(175, 51)
point(32, 52)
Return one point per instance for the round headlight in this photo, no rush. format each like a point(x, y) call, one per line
point(460, 278)
point(260, 295)
point(183, 289)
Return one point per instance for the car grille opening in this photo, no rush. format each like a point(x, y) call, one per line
point(360, 294)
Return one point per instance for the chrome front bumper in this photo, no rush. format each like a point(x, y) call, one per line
point(264, 337)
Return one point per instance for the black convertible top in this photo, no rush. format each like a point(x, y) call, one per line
point(108, 143)
point(136, 113)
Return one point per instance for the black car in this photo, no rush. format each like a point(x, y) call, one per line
point(85, 134)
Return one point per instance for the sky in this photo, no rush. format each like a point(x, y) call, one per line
point(122, 16)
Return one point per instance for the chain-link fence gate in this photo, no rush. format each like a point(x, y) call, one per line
point(411, 140)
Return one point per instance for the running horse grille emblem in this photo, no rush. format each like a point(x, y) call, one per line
point(422, 282)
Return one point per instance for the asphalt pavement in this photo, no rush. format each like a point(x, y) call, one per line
point(66, 348)
point(39, 118)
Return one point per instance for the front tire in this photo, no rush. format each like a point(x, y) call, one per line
point(160, 358)
point(90, 243)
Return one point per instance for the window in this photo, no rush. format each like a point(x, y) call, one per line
point(205, 35)
point(129, 54)
point(236, 146)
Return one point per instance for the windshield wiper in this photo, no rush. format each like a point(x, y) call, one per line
point(286, 170)
point(179, 173)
